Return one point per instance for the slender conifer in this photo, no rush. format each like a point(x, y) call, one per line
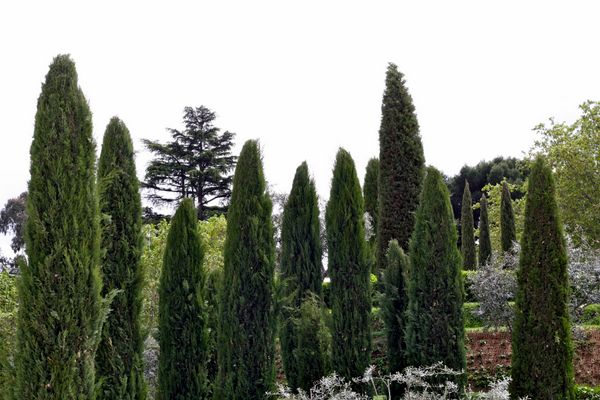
point(119, 369)
point(507, 219)
point(435, 330)
point(542, 350)
point(349, 271)
point(246, 347)
point(59, 294)
point(467, 230)
point(485, 242)
point(301, 267)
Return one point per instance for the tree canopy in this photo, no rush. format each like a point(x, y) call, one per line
point(197, 164)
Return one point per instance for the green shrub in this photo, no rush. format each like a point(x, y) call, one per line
point(469, 295)
point(587, 393)
point(471, 319)
point(591, 315)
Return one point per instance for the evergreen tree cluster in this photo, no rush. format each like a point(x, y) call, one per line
point(80, 292)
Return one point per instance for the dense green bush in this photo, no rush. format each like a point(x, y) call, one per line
point(469, 295)
point(8, 320)
point(587, 393)
point(591, 315)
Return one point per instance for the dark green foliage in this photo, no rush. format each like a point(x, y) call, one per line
point(119, 368)
point(507, 219)
point(484, 173)
point(246, 321)
point(485, 242)
point(211, 297)
point(349, 271)
point(371, 195)
point(435, 330)
point(196, 164)
point(401, 165)
point(301, 268)
point(12, 220)
point(182, 316)
point(394, 307)
point(312, 351)
point(60, 305)
point(542, 352)
point(467, 245)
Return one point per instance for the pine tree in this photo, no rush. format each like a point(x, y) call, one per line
point(246, 321)
point(301, 265)
point(435, 330)
point(371, 195)
point(119, 368)
point(60, 304)
point(401, 165)
point(467, 231)
point(349, 271)
point(182, 318)
point(196, 164)
point(394, 308)
point(485, 242)
point(507, 219)
point(542, 355)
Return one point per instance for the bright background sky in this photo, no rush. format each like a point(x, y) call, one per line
point(304, 77)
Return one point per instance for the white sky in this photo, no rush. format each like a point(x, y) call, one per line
point(304, 77)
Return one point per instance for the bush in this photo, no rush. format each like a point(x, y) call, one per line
point(467, 277)
point(472, 319)
point(587, 393)
point(591, 315)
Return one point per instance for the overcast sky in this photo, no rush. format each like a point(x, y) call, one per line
point(304, 77)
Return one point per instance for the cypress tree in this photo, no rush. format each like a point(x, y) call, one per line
point(394, 308)
point(246, 321)
point(182, 318)
point(312, 350)
point(119, 368)
point(435, 330)
point(301, 266)
point(371, 195)
point(542, 352)
point(485, 242)
point(60, 304)
point(349, 271)
point(467, 231)
point(401, 165)
point(507, 219)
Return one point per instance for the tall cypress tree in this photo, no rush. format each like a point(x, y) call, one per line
point(401, 165)
point(485, 242)
point(507, 219)
point(394, 308)
point(246, 322)
point(467, 230)
point(542, 355)
point(182, 317)
point(435, 330)
point(60, 308)
point(301, 266)
point(119, 368)
point(371, 195)
point(349, 271)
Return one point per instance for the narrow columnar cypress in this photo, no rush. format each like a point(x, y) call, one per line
point(467, 230)
point(182, 320)
point(485, 242)
point(349, 271)
point(394, 307)
point(507, 219)
point(312, 350)
point(401, 165)
point(246, 320)
point(542, 352)
point(119, 369)
point(371, 195)
point(435, 330)
point(59, 292)
point(301, 267)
